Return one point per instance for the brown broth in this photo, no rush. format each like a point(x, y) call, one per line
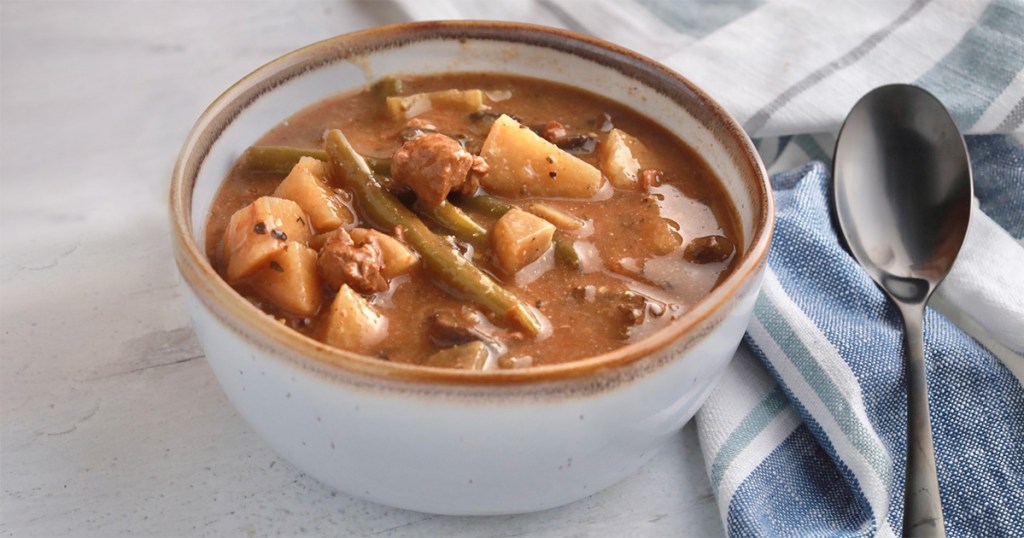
point(616, 243)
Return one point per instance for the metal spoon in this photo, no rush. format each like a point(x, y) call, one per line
point(902, 192)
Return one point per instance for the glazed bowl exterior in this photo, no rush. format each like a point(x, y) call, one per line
point(450, 441)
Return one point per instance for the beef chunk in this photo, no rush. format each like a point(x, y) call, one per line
point(553, 131)
point(709, 249)
point(648, 178)
point(626, 307)
point(433, 165)
point(342, 261)
point(451, 327)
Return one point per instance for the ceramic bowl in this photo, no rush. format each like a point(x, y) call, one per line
point(449, 441)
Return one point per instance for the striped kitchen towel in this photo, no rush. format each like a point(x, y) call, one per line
point(786, 67)
point(805, 435)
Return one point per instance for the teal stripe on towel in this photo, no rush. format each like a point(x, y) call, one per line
point(835, 402)
point(751, 425)
point(979, 69)
point(698, 19)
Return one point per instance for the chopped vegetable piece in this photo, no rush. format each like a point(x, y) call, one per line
point(278, 159)
point(523, 163)
point(307, 186)
point(410, 106)
point(290, 280)
point(486, 204)
point(398, 258)
point(352, 323)
point(438, 257)
point(497, 96)
point(559, 218)
point(512, 362)
point(519, 238)
point(388, 87)
point(453, 219)
point(621, 159)
point(565, 253)
point(664, 237)
point(318, 241)
point(260, 230)
point(471, 356)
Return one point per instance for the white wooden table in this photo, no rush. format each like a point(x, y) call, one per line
point(112, 421)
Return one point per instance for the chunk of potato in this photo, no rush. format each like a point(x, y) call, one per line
point(306, 185)
point(352, 323)
point(622, 157)
point(410, 106)
point(519, 238)
point(259, 231)
point(524, 164)
point(664, 236)
point(559, 218)
point(470, 356)
point(398, 258)
point(290, 280)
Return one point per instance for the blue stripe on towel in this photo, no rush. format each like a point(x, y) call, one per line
point(976, 408)
point(998, 163)
point(957, 80)
point(796, 483)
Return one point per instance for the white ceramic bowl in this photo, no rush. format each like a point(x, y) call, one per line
point(464, 442)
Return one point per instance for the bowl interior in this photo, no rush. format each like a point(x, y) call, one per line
point(275, 91)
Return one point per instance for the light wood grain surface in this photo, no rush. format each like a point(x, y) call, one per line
point(112, 421)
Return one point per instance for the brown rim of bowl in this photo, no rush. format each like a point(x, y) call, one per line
point(245, 319)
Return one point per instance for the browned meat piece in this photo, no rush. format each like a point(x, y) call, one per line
point(469, 356)
point(553, 131)
point(578, 144)
point(628, 308)
point(341, 261)
point(709, 249)
point(451, 327)
point(649, 177)
point(433, 165)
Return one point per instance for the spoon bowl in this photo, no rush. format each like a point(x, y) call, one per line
point(902, 195)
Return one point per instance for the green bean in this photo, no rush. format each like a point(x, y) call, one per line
point(453, 219)
point(487, 205)
point(281, 159)
point(277, 159)
point(385, 211)
point(565, 254)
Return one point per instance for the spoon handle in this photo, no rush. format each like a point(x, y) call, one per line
point(922, 506)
